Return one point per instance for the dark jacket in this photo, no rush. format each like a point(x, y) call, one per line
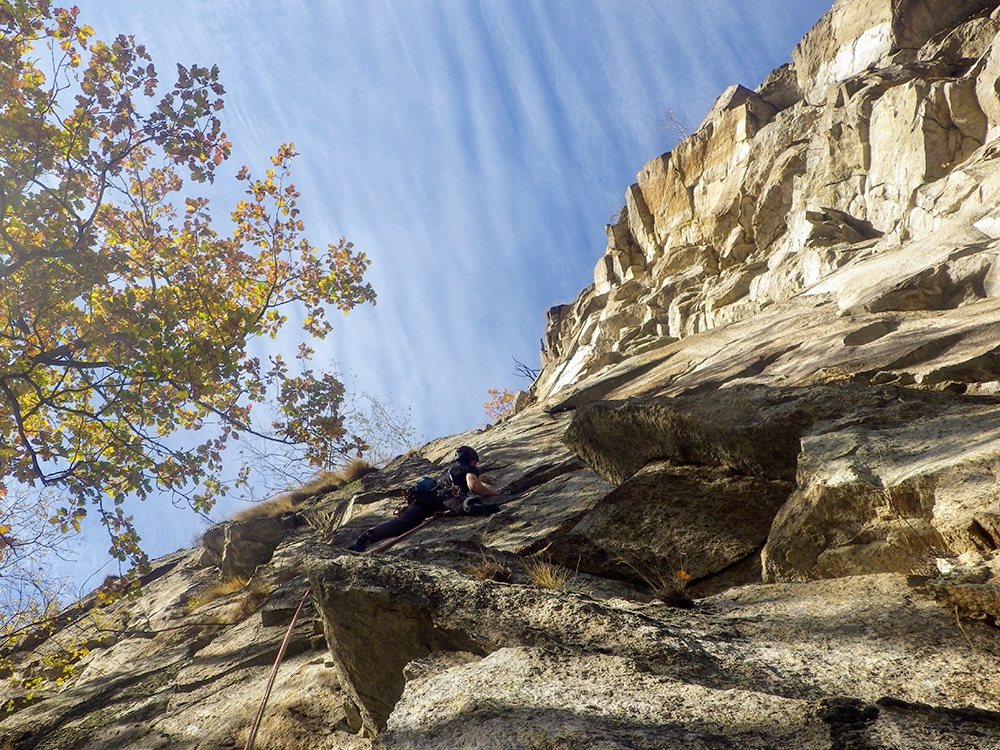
point(458, 475)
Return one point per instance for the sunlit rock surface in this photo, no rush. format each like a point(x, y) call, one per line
point(751, 501)
point(866, 181)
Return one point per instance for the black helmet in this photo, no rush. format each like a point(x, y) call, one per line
point(466, 455)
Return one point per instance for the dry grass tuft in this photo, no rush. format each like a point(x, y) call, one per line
point(488, 568)
point(267, 509)
point(253, 593)
point(355, 470)
point(546, 574)
point(222, 588)
point(667, 582)
point(322, 483)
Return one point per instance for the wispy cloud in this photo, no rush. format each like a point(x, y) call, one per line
point(472, 149)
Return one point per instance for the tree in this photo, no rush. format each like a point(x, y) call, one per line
point(380, 430)
point(126, 313)
point(28, 594)
point(521, 369)
point(500, 404)
point(674, 126)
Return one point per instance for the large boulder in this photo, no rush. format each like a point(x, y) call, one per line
point(892, 492)
point(517, 666)
point(380, 615)
point(885, 479)
point(750, 429)
point(668, 520)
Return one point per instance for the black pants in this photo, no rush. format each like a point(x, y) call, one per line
point(408, 519)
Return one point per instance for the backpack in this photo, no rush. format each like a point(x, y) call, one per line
point(430, 493)
point(424, 490)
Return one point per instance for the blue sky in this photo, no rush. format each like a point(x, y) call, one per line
point(473, 149)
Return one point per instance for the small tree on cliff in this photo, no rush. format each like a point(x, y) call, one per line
point(500, 404)
point(125, 311)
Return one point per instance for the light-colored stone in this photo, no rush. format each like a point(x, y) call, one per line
point(248, 545)
point(592, 701)
point(988, 88)
point(888, 142)
point(919, 132)
point(791, 341)
point(749, 645)
point(856, 34)
point(781, 88)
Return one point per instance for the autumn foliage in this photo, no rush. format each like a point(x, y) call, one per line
point(126, 308)
point(500, 404)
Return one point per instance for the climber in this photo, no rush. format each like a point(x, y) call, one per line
point(472, 487)
point(460, 492)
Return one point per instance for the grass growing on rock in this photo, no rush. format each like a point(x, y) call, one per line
point(667, 582)
point(355, 470)
point(253, 595)
point(272, 508)
point(321, 484)
point(489, 568)
point(546, 574)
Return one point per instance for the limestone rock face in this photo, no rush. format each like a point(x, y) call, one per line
point(664, 520)
point(751, 501)
point(249, 544)
point(882, 140)
point(863, 489)
point(538, 664)
point(856, 35)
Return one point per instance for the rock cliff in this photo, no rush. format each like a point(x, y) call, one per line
point(751, 501)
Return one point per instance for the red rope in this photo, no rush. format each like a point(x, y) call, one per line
point(291, 626)
point(274, 672)
point(388, 544)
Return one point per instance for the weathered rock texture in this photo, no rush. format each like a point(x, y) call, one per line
point(862, 183)
point(759, 473)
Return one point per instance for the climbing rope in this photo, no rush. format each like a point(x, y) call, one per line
point(274, 671)
point(390, 542)
point(291, 626)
